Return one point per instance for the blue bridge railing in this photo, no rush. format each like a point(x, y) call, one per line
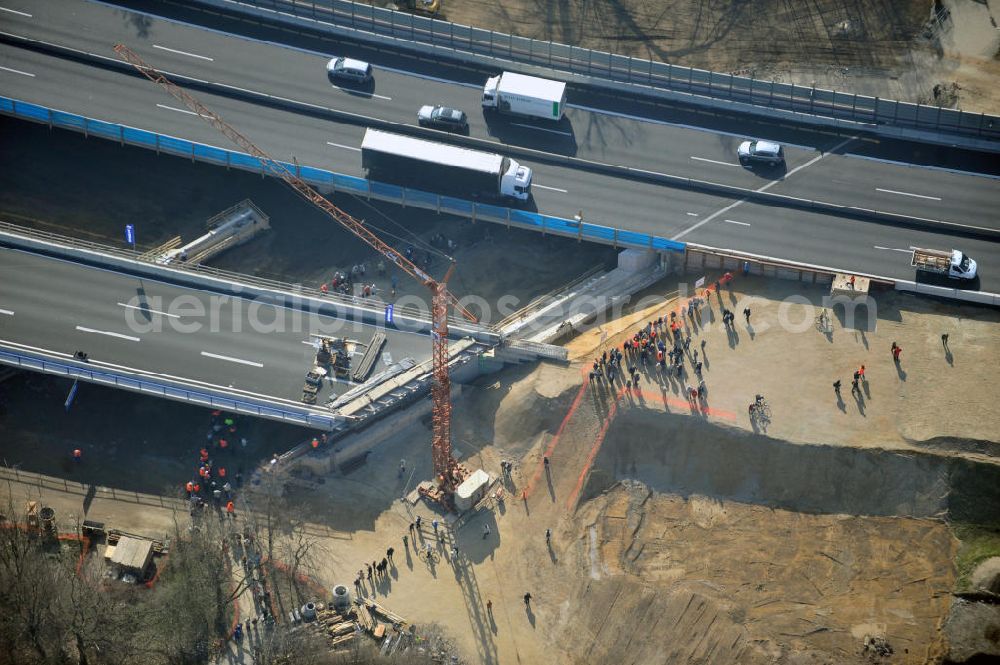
point(340, 182)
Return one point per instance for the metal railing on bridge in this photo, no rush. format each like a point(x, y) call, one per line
point(338, 182)
point(332, 16)
point(165, 388)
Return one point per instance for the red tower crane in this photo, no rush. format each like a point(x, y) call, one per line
point(447, 471)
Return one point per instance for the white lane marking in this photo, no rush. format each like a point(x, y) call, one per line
point(17, 71)
point(763, 188)
point(926, 167)
point(541, 129)
point(151, 311)
point(359, 92)
point(733, 221)
point(713, 161)
point(359, 305)
point(14, 11)
point(171, 108)
point(918, 196)
point(108, 333)
point(7, 312)
point(231, 359)
point(894, 249)
point(345, 147)
point(554, 189)
point(691, 214)
point(180, 379)
point(190, 55)
point(809, 163)
point(10, 342)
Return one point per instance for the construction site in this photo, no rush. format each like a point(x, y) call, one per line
point(640, 520)
point(576, 453)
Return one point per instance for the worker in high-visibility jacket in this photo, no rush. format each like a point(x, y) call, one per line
point(189, 487)
point(231, 509)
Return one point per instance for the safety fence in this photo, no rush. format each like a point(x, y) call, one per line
point(337, 182)
point(43, 484)
point(332, 16)
point(162, 388)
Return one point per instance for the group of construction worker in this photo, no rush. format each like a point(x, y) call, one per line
point(213, 483)
point(344, 282)
point(665, 341)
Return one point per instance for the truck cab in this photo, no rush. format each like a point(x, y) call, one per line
point(516, 181)
point(962, 266)
point(490, 92)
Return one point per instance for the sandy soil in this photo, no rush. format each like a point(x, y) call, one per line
point(880, 48)
point(741, 546)
point(718, 581)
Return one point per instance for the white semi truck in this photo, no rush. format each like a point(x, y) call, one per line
point(443, 168)
point(530, 96)
point(954, 264)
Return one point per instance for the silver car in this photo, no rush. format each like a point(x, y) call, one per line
point(442, 117)
point(760, 152)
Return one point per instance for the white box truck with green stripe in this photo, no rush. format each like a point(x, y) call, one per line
point(530, 96)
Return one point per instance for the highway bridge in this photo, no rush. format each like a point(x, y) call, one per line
point(306, 118)
point(58, 55)
point(201, 337)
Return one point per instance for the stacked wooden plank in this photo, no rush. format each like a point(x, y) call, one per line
point(375, 608)
point(368, 360)
point(365, 619)
point(338, 628)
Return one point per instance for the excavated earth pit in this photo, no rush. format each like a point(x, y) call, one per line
point(729, 547)
point(681, 455)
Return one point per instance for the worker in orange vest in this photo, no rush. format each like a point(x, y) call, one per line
point(204, 455)
point(77, 455)
point(189, 487)
point(231, 509)
point(197, 488)
point(222, 472)
point(315, 442)
point(223, 444)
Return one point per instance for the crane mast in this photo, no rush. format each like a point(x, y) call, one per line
point(448, 472)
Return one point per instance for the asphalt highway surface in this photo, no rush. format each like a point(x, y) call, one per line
point(160, 330)
point(232, 65)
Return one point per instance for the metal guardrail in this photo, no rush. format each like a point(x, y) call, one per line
point(162, 388)
point(334, 15)
point(322, 178)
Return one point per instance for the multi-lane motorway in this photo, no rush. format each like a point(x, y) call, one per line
point(150, 328)
point(822, 168)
